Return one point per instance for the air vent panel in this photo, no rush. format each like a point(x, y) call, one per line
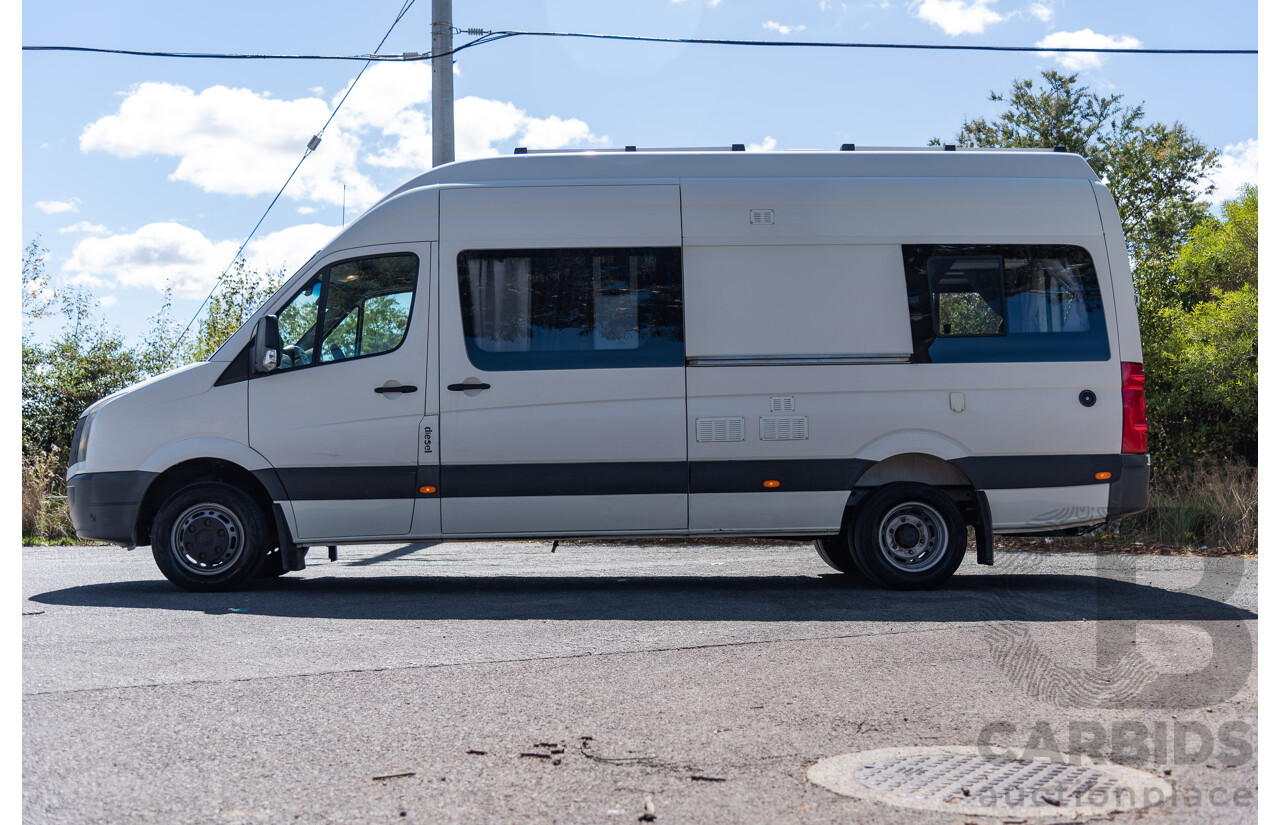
point(722, 429)
point(784, 428)
point(782, 403)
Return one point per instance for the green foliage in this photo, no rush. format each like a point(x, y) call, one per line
point(86, 362)
point(1202, 381)
point(1200, 344)
point(1154, 171)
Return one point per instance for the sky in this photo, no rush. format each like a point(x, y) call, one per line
point(144, 173)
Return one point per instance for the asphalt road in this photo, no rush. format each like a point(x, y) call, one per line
point(615, 683)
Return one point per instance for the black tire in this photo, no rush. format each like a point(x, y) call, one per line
point(908, 536)
point(209, 536)
point(836, 553)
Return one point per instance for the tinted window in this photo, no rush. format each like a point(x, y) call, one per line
point(360, 308)
point(540, 309)
point(1004, 303)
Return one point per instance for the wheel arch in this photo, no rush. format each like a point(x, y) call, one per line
point(196, 470)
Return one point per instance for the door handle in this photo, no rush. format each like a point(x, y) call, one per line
point(401, 388)
point(468, 386)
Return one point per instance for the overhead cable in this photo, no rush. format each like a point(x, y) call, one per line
point(485, 36)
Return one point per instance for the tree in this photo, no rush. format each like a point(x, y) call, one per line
point(36, 297)
point(1200, 343)
point(86, 362)
point(1155, 172)
point(238, 296)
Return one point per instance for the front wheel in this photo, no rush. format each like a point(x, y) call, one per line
point(908, 536)
point(209, 536)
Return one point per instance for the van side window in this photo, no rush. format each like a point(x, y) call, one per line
point(360, 308)
point(993, 303)
point(545, 309)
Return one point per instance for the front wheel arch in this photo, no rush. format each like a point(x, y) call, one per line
point(196, 470)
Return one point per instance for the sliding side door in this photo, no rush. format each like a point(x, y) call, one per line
point(562, 361)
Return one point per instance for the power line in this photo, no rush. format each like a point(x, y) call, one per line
point(312, 145)
point(484, 37)
point(489, 37)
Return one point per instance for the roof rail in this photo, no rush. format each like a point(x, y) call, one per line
point(737, 147)
point(844, 147)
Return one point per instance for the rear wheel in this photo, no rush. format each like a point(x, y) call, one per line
point(908, 536)
point(837, 554)
point(209, 536)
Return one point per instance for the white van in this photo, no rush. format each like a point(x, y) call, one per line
point(873, 349)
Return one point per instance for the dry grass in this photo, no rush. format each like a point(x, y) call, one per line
point(1214, 506)
point(45, 515)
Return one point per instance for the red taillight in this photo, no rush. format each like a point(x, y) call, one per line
point(1133, 391)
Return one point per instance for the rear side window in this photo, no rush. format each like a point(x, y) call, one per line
point(543, 309)
point(993, 303)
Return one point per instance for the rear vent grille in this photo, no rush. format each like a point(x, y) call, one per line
point(777, 428)
point(762, 217)
point(782, 403)
point(722, 429)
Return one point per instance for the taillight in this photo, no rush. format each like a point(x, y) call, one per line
point(1133, 383)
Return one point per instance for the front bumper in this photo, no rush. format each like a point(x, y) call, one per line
point(104, 506)
point(1131, 488)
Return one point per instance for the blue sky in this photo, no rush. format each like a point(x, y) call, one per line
point(141, 172)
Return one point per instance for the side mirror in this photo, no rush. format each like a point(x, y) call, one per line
point(266, 344)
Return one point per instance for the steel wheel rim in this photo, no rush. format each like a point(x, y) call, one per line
point(207, 539)
point(913, 537)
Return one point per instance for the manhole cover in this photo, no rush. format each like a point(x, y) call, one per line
point(965, 779)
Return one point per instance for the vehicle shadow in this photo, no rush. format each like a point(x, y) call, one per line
point(1020, 597)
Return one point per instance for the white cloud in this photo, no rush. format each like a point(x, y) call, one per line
point(1238, 166)
point(241, 142)
point(1085, 39)
point(774, 25)
point(1041, 11)
point(957, 17)
point(233, 141)
point(481, 123)
point(171, 253)
point(306, 210)
point(108, 300)
point(766, 145)
point(85, 227)
point(57, 207)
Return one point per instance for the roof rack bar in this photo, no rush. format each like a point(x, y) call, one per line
point(737, 147)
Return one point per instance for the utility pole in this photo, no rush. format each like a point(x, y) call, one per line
point(441, 82)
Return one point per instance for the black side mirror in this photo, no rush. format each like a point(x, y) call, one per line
point(266, 344)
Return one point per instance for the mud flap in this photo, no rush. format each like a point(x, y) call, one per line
point(292, 557)
point(982, 535)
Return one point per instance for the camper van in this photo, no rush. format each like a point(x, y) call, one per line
point(872, 350)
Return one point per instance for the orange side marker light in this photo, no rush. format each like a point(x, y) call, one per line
point(1103, 476)
point(772, 484)
point(427, 490)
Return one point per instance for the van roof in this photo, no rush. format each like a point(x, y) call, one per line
point(666, 165)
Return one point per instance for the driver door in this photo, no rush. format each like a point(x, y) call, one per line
point(339, 418)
